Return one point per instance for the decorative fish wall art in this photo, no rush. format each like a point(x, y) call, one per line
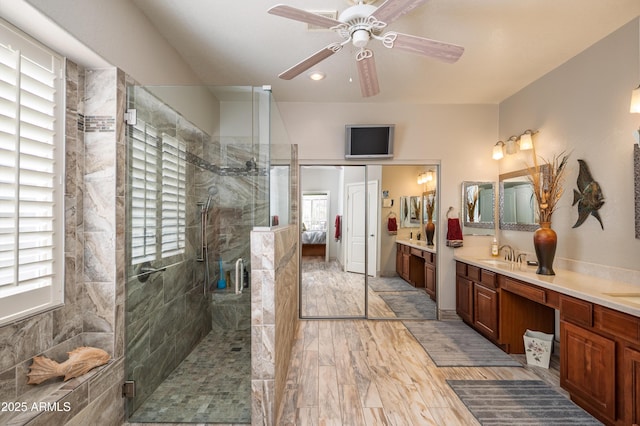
point(588, 196)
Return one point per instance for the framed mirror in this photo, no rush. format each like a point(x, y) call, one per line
point(410, 211)
point(429, 205)
point(518, 208)
point(478, 208)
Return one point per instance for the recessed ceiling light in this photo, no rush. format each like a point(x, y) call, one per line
point(317, 75)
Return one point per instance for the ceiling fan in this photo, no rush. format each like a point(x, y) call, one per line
point(360, 23)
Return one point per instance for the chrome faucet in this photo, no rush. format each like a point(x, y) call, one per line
point(510, 254)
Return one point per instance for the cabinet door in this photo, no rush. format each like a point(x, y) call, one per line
point(631, 386)
point(430, 280)
point(464, 299)
point(406, 266)
point(485, 311)
point(399, 259)
point(587, 369)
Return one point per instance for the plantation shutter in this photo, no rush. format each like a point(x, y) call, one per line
point(173, 196)
point(144, 191)
point(31, 165)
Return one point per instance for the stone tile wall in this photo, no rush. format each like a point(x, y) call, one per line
point(94, 282)
point(274, 302)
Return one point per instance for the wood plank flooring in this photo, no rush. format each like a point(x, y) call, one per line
point(372, 372)
point(328, 291)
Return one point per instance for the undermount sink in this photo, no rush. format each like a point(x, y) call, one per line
point(495, 262)
point(629, 297)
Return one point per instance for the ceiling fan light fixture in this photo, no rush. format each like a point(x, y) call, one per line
point(360, 38)
point(317, 75)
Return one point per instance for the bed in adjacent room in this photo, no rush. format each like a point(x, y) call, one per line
point(314, 243)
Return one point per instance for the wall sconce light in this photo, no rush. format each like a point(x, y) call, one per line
point(635, 100)
point(511, 145)
point(497, 150)
point(635, 108)
point(526, 142)
point(514, 144)
point(425, 177)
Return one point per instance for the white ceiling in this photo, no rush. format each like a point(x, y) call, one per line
point(508, 44)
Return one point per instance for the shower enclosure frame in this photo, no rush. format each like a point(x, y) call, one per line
point(169, 313)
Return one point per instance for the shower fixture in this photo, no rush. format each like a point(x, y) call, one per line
point(251, 164)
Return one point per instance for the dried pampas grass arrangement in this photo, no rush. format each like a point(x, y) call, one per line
point(548, 180)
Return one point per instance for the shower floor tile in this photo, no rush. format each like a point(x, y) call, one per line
point(212, 385)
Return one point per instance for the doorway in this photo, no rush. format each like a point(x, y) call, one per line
point(362, 198)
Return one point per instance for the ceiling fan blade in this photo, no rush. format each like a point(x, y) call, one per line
point(303, 16)
point(391, 10)
point(445, 52)
point(304, 65)
point(367, 73)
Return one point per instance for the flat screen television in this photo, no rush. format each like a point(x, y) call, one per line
point(364, 141)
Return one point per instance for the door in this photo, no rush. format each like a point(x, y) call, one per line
point(361, 240)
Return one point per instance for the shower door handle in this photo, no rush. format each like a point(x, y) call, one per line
point(145, 270)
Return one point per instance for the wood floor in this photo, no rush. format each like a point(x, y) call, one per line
point(328, 291)
point(373, 372)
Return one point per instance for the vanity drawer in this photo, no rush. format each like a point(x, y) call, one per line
point(461, 269)
point(525, 290)
point(617, 323)
point(473, 273)
point(577, 311)
point(428, 257)
point(488, 278)
point(416, 252)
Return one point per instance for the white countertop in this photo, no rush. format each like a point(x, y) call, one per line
point(581, 286)
point(419, 244)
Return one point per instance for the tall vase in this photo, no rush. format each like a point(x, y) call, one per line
point(545, 241)
point(429, 230)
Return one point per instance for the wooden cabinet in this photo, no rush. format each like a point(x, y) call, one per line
point(477, 299)
point(631, 387)
point(485, 310)
point(430, 279)
point(403, 256)
point(588, 369)
point(430, 273)
point(464, 299)
point(417, 267)
point(599, 346)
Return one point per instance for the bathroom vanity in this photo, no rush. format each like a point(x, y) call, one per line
point(416, 264)
point(599, 327)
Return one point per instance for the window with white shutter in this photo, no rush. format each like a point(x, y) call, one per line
point(144, 191)
point(173, 196)
point(158, 194)
point(31, 176)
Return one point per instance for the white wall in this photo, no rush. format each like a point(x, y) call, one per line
point(459, 137)
point(582, 107)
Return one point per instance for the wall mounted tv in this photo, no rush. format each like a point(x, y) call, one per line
point(364, 141)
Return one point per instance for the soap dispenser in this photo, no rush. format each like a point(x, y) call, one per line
point(494, 247)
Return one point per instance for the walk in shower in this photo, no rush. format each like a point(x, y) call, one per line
point(202, 172)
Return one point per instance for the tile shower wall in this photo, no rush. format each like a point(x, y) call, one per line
point(274, 302)
point(92, 314)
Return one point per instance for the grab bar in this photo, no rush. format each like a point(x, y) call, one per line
point(203, 242)
point(145, 270)
point(239, 275)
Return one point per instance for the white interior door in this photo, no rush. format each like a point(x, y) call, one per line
point(357, 235)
